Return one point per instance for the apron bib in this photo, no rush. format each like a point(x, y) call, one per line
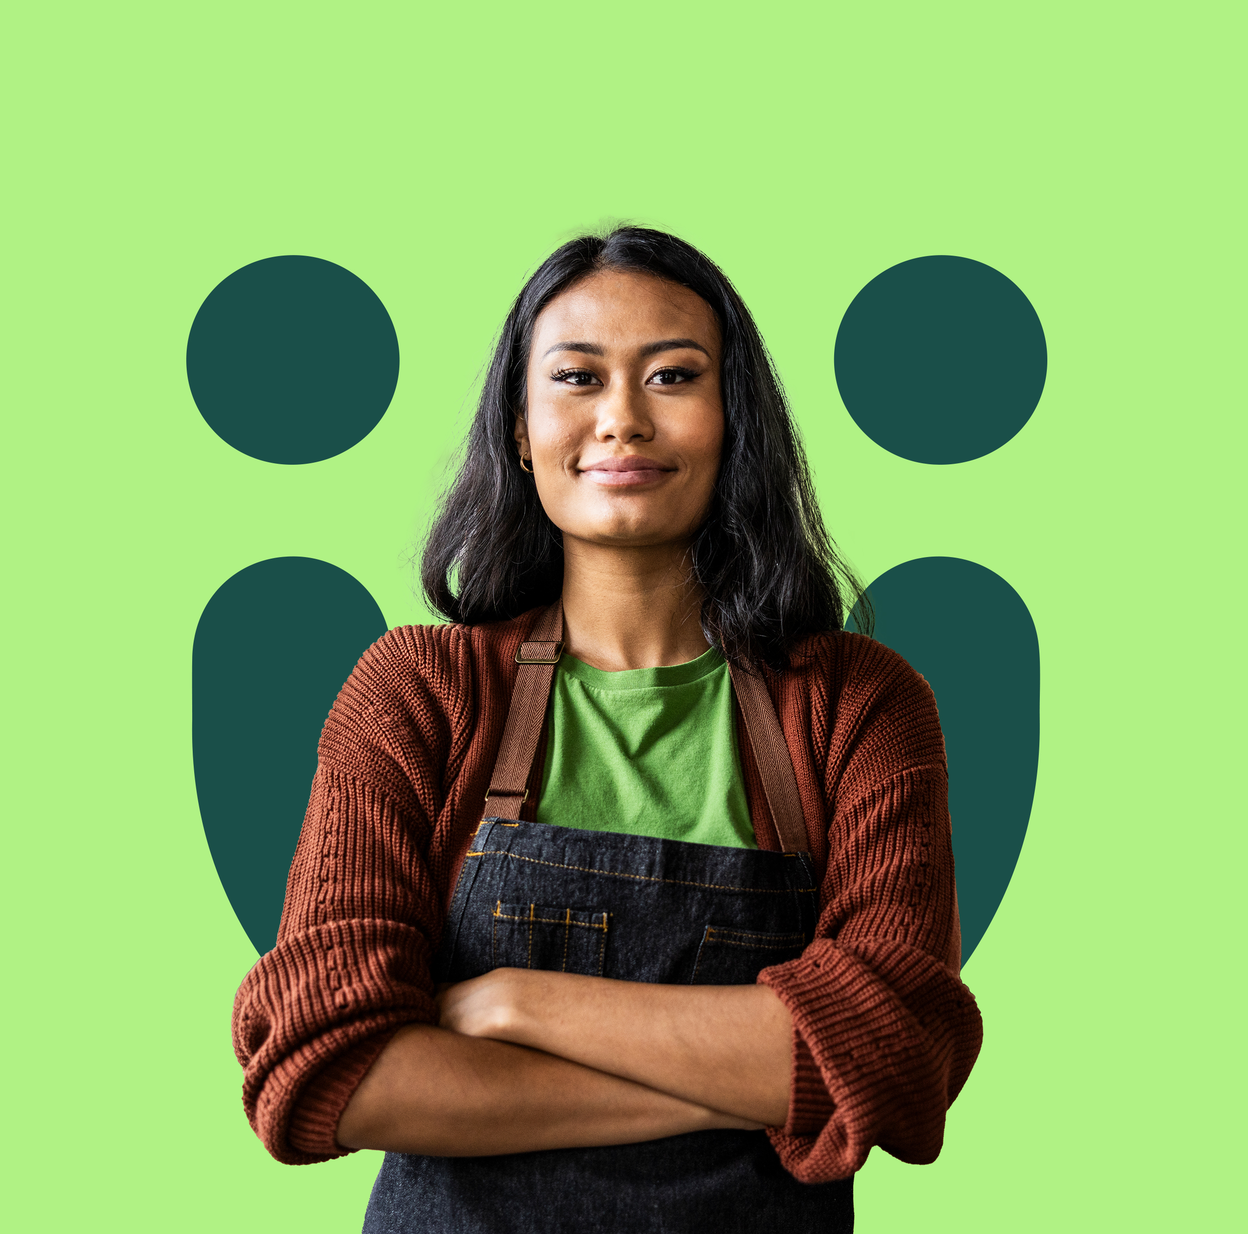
point(636, 909)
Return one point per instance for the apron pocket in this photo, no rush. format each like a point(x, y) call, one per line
point(559, 940)
point(735, 957)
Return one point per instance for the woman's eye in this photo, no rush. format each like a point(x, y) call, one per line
point(672, 376)
point(574, 377)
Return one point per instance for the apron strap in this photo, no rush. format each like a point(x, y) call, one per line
point(537, 659)
point(771, 753)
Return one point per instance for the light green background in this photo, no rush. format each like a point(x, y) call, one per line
point(1088, 151)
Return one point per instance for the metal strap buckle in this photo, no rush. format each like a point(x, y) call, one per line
point(521, 658)
point(523, 794)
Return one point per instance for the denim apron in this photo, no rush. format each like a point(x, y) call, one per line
point(638, 909)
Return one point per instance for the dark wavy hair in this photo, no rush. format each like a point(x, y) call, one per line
point(769, 570)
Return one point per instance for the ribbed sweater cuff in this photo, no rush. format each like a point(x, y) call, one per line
point(810, 1107)
point(314, 1120)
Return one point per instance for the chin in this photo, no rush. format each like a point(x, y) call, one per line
point(630, 523)
point(634, 535)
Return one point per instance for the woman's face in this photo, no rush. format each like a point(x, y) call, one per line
point(625, 421)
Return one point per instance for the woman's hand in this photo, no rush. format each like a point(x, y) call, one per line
point(725, 1047)
point(486, 1006)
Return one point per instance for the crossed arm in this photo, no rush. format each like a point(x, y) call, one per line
point(524, 1060)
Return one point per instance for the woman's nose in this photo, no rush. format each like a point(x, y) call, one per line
point(623, 414)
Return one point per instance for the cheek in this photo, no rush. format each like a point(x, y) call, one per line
point(705, 438)
point(551, 429)
point(551, 442)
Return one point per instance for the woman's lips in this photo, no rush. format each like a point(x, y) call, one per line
point(629, 470)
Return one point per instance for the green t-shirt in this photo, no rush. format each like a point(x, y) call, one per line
point(648, 752)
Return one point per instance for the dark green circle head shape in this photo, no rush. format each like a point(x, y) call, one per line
point(940, 359)
point(292, 359)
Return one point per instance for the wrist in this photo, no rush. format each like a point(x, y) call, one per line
point(511, 1018)
point(534, 997)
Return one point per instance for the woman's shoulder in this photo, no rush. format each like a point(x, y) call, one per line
point(865, 696)
point(426, 687)
point(445, 658)
point(853, 662)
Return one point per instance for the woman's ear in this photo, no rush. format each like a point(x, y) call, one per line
point(522, 437)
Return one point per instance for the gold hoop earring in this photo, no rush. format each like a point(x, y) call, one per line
point(523, 468)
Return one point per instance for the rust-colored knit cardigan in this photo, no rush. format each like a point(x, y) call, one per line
point(885, 1033)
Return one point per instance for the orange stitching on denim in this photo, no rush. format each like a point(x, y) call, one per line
point(459, 881)
point(598, 921)
point(644, 878)
point(727, 942)
point(712, 931)
point(581, 925)
point(717, 935)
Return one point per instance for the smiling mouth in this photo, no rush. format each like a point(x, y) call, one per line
point(625, 472)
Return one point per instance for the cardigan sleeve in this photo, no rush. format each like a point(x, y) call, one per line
point(362, 912)
point(885, 1033)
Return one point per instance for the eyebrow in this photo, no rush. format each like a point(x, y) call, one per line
point(589, 349)
point(673, 344)
point(650, 349)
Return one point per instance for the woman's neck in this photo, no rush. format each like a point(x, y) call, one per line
point(632, 607)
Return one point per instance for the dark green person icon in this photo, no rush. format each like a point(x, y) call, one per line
point(290, 360)
point(942, 360)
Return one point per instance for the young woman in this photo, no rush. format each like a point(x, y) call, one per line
point(702, 953)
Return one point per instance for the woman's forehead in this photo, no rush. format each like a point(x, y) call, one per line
point(615, 308)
